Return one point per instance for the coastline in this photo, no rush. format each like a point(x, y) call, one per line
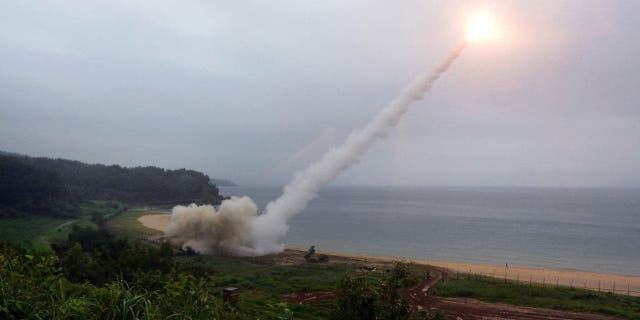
point(578, 279)
point(619, 284)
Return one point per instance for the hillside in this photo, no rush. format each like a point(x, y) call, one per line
point(24, 188)
point(35, 185)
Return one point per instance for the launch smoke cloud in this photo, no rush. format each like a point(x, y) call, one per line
point(211, 230)
point(225, 230)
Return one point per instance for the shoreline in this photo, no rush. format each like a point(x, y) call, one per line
point(619, 284)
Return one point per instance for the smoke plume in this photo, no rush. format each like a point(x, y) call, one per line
point(252, 234)
point(225, 230)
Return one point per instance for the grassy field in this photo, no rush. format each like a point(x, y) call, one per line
point(127, 224)
point(40, 231)
point(105, 208)
point(561, 298)
point(35, 229)
point(258, 274)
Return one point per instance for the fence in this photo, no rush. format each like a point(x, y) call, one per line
point(625, 288)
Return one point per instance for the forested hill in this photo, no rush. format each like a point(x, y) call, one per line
point(27, 189)
point(31, 178)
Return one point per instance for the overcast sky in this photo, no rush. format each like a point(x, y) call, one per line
point(255, 90)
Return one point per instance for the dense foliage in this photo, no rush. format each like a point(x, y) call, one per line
point(54, 187)
point(97, 276)
point(94, 275)
point(359, 298)
point(25, 188)
point(97, 257)
point(35, 287)
point(131, 185)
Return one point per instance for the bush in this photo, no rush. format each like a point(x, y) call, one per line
point(98, 257)
point(359, 299)
point(355, 300)
point(34, 287)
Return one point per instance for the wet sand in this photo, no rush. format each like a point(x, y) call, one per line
point(579, 279)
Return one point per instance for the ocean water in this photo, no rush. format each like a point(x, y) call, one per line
point(594, 230)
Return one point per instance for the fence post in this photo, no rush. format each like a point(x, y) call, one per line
point(614, 287)
point(598, 285)
point(530, 278)
point(628, 287)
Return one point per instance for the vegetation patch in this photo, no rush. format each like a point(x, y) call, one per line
point(40, 231)
point(33, 229)
point(100, 210)
point(112, 182)
point(127, 224)
point(258, 274)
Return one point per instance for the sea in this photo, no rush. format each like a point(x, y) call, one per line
point(595, 230)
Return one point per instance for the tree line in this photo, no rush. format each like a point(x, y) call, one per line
point(54, 187)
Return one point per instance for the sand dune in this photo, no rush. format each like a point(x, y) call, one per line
point(588, 280)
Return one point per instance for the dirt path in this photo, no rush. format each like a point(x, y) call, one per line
point(62, 225)
point(456, 308)
point(472, 309)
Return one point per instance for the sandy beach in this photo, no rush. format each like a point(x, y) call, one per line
point(579, 279)
point(155, 221)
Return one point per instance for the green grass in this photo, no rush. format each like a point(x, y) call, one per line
point(40, 231)
point(258, 274)
point(262, 283)
point(106, 208)
point(561, 298)
point(62, 231)
point(32, 229)
point(255, 306)
point(127, 224)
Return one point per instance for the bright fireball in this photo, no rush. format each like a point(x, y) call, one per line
point(479, 27)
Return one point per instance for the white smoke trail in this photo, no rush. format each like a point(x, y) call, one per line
point(236, 227)
point(304, 187)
